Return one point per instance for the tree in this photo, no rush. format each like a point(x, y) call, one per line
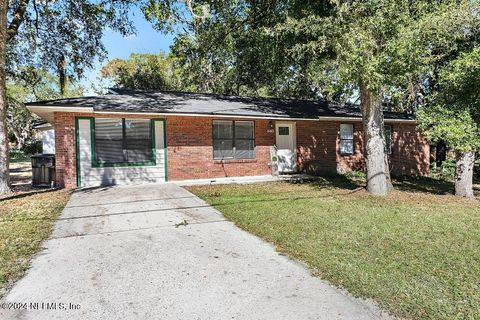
point(225, 47)
point(62, 36)
point(40, 85)
point(148, 72)
point(4, 154)
point(378, 45)
point(453, 115)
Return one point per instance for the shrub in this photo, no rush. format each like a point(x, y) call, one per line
point(33, 147)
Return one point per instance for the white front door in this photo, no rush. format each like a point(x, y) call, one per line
point(286, 148)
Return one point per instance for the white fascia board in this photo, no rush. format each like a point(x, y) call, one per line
point(46, 112)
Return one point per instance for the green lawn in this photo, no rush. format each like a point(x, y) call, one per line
point(25, 221)
point(416, 252)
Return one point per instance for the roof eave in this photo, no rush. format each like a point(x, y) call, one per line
point(47, 112)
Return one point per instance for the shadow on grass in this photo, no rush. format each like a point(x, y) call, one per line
point(423, 184)
point(31, 192)
point(331, 181)
point(401, 183)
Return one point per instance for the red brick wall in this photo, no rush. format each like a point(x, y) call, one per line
point(65, 152)
point(190, 151)
point(318, 146)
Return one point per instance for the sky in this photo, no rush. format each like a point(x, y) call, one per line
point(147, 40)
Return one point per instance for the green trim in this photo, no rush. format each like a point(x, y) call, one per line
point(154, 144)
point(165, 150)
point(96, 164)
point(124, 164)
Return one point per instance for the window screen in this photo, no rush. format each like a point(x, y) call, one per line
point(122, 140)
point(346, 139)
point(233, 139)
point(388, 138)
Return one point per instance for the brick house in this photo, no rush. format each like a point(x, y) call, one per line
point(140, 136)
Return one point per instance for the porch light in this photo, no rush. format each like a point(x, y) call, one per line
point(271, 125)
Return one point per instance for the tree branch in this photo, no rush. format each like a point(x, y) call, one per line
point(18, 17)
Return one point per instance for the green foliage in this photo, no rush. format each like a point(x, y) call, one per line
point(460, 81)
point(35, 85)
point(454, 112)
point(455, 127)
point(17, 155)
point(33, 147)
point(63, 36)
point(446, 171)
point(355, 175)
point(229, 47)
point(385, 43)
point(147, 72)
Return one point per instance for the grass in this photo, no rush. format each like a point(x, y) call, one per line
point(25, 221)
point(416, 252)
point(19, 157)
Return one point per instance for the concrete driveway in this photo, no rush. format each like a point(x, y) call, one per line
point(159, 252)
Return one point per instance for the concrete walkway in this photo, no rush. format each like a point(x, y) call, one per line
point(159, 252)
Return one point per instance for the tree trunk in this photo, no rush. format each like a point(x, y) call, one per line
point(464, 174)
point(4, 154)
point(378, 173)
point(18, 136)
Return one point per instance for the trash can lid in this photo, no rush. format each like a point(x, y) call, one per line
point(42, 155)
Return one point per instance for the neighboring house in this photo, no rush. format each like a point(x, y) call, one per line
point(47, 136)
point(141, 136)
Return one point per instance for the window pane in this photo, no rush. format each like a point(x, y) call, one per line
point(244, 149)
point(346, 131)
point(108, 140)
point(222, 149)
point(137, 128)
point(283, 131)
point(138, 142)
point(346, 146)
point(244, 129)
point(222, 129)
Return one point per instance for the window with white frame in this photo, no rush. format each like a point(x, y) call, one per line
point(233, 139)
point(346, 139)
point(387, 132)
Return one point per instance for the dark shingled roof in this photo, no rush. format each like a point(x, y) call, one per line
point(210, 104)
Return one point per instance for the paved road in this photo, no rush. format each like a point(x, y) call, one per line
point(119, 253)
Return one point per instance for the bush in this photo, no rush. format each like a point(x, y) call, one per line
point(446, 171)
point(18, 155)
point(355, 175)
point(33, 147)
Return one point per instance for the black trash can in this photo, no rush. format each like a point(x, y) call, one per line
point(43, 170)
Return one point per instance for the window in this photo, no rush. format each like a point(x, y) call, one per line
point(283, 131)
point(387, 132)
point(233, 139)
point(123, 141)
point(346, 139)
